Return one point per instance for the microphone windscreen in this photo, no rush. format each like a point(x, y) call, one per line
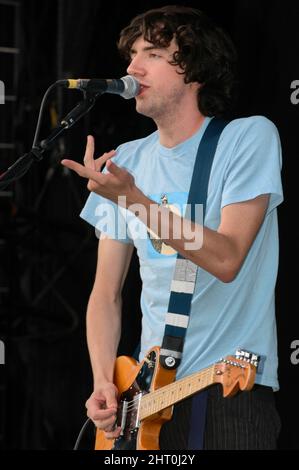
point(132, 87)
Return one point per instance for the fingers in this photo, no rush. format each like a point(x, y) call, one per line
point(113, 434)
point(106, 424)
point(102, 409)
point(105, 416)
point(106, 421)
point(77, 167)
point(89, 152)
point(108, 185)
point(98, 409)
point(99, 162)
point(83, 171)
point(87, 171)
point(89, 161)
point(114, 169)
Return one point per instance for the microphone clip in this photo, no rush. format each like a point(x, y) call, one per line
point(80, 110)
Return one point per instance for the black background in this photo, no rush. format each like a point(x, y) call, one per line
point(50, 254)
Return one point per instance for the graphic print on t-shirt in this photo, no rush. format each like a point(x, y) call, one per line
point(174, 202)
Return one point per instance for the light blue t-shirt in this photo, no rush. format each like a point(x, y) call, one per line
point(224, 316)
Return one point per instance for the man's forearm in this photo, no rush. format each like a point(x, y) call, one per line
point(207, 248)
point(103, 324)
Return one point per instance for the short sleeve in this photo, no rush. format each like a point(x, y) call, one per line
point(255, 164)
point(106, 217)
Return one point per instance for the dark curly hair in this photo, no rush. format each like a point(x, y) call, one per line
point(205, 53)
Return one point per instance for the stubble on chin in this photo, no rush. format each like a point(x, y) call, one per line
point(159, 108)
point(146, 109)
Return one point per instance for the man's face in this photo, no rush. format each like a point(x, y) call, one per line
point(162, 88)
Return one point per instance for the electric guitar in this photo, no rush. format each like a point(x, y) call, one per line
point(147, 393)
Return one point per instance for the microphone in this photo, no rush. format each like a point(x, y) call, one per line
point(127, 86)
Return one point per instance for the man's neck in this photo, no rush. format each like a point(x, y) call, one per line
point(175, 130)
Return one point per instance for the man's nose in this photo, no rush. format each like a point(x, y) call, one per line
point(136, 67)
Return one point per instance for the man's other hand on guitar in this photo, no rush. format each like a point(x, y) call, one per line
point(102, 409)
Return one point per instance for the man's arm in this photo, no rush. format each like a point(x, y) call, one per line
point(224, 250)
point(104, 328)
point(103, 321)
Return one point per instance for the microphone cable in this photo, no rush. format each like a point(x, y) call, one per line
point(41, 110)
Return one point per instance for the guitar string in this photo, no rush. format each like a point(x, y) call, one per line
point(205, 376)
point(159, 393)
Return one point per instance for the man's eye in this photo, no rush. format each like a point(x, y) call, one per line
point(152, 54)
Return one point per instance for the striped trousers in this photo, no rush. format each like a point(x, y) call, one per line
point(247, 421)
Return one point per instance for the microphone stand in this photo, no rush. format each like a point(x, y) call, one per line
point(22, 165)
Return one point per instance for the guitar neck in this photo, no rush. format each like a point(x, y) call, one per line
point(175, 392)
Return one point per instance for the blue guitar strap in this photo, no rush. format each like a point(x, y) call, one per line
point(183, 282)
point(184, 278)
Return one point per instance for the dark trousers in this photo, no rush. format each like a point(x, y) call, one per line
point(247, 421)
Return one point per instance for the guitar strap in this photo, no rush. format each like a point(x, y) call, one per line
point(183, 282)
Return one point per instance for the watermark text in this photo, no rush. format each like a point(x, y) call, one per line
point(295, 354)
point(295, 94)
point(155, 222)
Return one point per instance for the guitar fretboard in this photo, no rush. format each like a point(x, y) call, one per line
point(175, 392)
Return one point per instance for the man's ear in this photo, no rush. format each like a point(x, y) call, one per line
point(196, 86)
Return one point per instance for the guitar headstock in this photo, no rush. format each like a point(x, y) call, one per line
point(236, 372)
